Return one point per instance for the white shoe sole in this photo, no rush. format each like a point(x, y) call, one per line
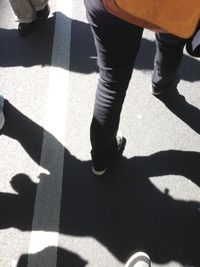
point(139, 259)
point(98, 173)
point(2, 120)
point(153, 92)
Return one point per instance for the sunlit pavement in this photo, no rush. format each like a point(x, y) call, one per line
point(53, 211)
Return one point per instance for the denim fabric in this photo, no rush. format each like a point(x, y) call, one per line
point(117, 43)
point(169, 53)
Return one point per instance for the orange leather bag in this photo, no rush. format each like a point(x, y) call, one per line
point(179, 17)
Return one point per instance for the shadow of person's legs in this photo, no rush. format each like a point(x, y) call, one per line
point(188, 113)
point(124, 210)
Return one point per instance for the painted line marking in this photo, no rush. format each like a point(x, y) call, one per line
point(46, 218)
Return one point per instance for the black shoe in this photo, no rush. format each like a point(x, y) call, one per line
point(25, 28)
point(100, 166)
point(44, 13)
point(164, 93)
point(155, 91)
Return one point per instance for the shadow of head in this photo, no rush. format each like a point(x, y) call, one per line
point(23, 185)
point(64, 258)
point(37, 47)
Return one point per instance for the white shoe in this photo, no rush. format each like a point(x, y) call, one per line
point(139, 259)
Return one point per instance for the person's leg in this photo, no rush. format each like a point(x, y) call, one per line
point(23, 10)
point(42, 9)
point(169, 53)
point(117, 43)
point(39, 4)
point(28, 11)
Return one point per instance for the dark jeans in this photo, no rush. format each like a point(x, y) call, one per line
point(117, 43)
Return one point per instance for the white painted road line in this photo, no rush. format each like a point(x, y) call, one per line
point(46, 217)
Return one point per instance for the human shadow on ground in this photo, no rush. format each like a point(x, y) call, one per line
point(36, 49)
point(18, 207)
point(65, 258)
point(186, 112)
point(33, 49)
point(124, 210)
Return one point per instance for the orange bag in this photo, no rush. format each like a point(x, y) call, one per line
point(179, 17)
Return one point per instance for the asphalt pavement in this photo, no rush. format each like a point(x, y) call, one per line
point(53, 211)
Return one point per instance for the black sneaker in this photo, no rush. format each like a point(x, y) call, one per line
point(155, 90)
point(44, 13)
point(160, 93)
point(99, 167)
point(25, 28)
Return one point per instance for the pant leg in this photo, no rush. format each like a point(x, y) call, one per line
point(117, 43)
point(23, 10)
point(169, 53)
point(39, 4)
point(1, 102)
